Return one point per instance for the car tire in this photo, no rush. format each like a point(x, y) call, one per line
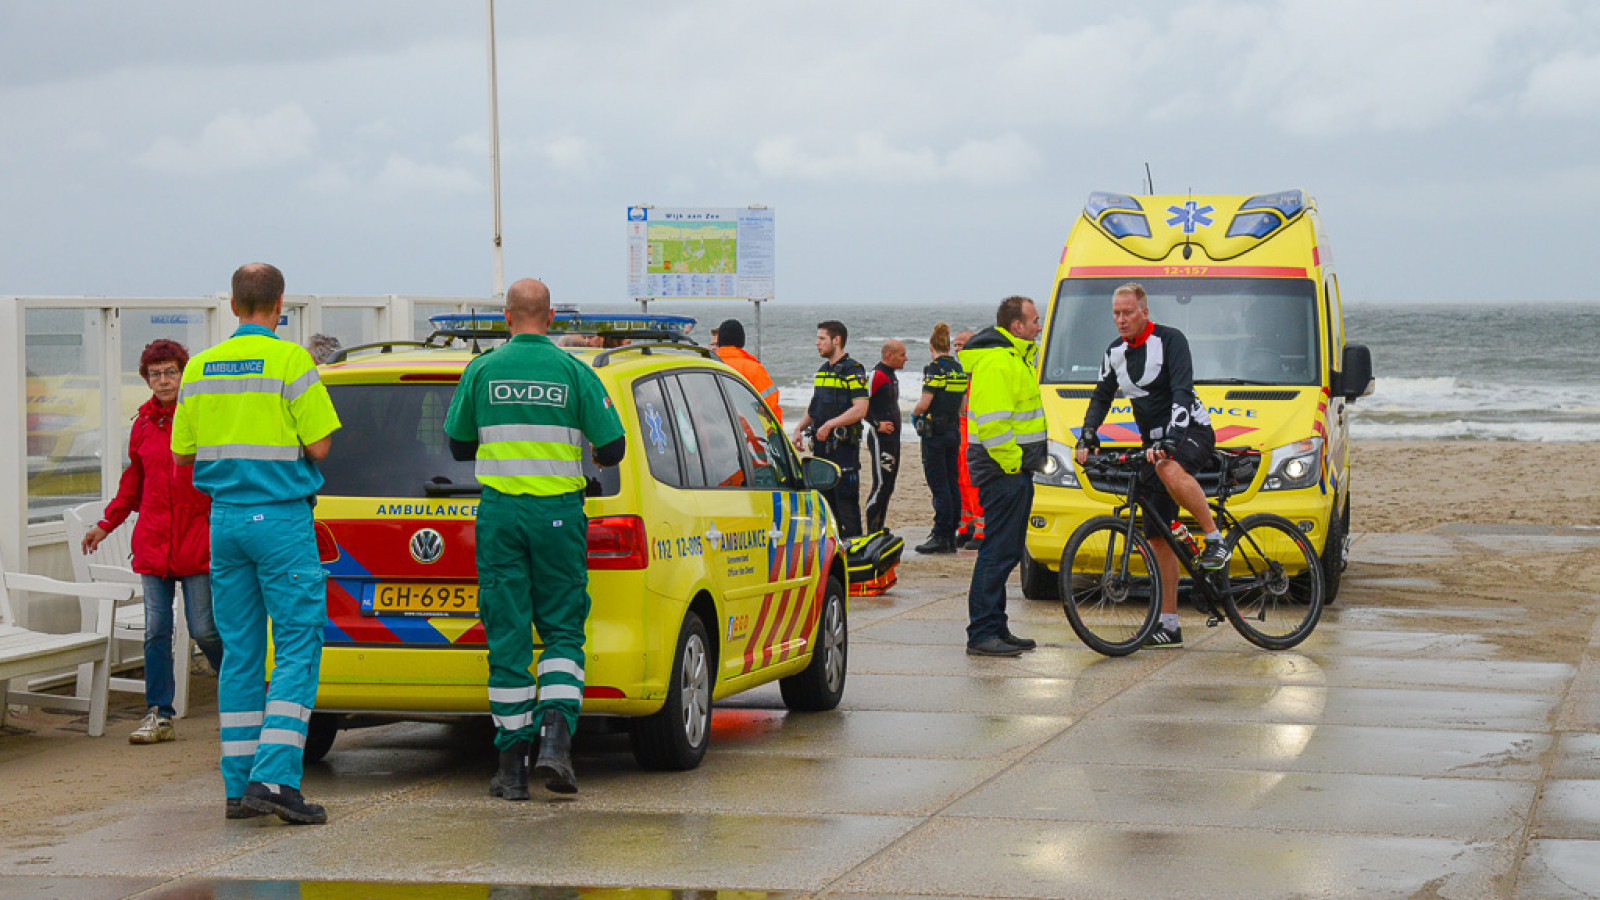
point(1038, 581)
point(320, 734)
point(1333, 555)
point(820, 685)
point(675, 737)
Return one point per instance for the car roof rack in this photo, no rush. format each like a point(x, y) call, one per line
point(604, 357)
point(343, 353)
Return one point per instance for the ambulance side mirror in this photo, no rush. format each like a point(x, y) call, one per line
point(819, 473)
point(1355, 378)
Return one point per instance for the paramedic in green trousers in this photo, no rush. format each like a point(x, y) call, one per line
point(527, 411)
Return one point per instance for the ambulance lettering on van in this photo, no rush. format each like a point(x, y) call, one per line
point(1250, 282)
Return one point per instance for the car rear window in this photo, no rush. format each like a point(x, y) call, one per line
point(392, 444)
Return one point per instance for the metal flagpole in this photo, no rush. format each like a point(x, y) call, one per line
point(494, 163)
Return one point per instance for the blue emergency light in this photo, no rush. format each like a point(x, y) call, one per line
point(629, 325)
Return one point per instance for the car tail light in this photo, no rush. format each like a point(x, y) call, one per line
point(327, 547)
point(618, 542)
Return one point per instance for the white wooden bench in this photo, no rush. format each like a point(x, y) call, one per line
point(25, 653)
point(110, 563)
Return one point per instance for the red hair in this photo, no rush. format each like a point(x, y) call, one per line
point(162, 350)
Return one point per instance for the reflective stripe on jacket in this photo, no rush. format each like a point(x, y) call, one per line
point(1005, 415)
point(246, 409)
point(755, 373)
point(533, 409)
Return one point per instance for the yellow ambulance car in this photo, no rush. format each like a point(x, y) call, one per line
point(1250, 282)
point(714, 563)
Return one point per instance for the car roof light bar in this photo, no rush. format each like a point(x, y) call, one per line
point(490, 325)
point(1288, 203)
point(1100, 201)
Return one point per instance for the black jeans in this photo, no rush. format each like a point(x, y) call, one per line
point(941, 465)
point(1006, 501)
point(844, 498)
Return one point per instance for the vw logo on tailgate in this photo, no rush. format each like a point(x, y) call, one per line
point(427, 546)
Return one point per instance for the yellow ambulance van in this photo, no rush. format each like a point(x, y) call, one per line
point(1250, 282)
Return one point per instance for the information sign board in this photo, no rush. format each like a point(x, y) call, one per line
point(700, 252)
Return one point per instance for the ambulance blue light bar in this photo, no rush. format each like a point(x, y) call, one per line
point(1124, 224)
point(493, 325)
point(1100, 201)
point(1287, 203)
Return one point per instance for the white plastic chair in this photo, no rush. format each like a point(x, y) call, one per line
point(110, 563)
point(25, 653)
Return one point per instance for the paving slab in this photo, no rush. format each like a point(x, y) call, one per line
point(1324, 669)
point(1560, 870)
point(538, 843)
point(886, 733)
point(23, 888)
point(1288, 747)
point(1461, 808)
point(1337, 706)
point(1577, 755)
point(1569, 808)
point(999, 858)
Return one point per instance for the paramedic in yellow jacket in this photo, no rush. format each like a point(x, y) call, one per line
point(252, 418)
point(1006, 444)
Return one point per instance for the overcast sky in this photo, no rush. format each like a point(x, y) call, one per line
point(928, 150)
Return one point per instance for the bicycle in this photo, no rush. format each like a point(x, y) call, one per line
point(1271, 590)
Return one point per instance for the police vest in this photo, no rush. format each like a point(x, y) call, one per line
point(947, 382)
point(534, 409)
point(246, 409)
point(835, 390)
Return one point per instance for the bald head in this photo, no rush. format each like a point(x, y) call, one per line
point(960, 340)
point(528, 307)
point(894, 353)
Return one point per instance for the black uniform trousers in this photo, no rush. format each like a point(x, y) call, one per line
point(884, 451)
point(941, 465)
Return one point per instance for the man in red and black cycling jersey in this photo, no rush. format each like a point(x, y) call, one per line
point(1152, 365)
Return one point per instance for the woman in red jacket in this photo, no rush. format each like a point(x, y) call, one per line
point(171, 540)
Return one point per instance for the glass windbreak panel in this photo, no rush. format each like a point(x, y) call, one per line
point(1240, 330)
point(288, 325)
point(64, 440)
point(767, 464)
point(719, 439)
point(392, 444)
point(352, 325)
point(140, 327)
point(655, 426)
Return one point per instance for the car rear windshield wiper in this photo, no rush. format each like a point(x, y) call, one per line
point(1231, 381)
point(440, 486)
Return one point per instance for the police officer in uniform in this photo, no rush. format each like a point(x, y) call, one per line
point(937, 414)
point(527, 411)
point(838, 404)
point(252, 418)
point(883, 430)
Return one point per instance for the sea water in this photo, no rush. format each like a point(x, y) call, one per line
point(1514, 372)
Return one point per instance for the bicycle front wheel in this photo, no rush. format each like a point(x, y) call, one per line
point(1111, 590)
point(1273, 591)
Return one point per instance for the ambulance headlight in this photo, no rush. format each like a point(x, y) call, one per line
point(1294, 466)
point(1058, 471)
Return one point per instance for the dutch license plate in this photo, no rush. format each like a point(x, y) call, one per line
point(419, 599)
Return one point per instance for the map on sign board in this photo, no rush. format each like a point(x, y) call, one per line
point(700, 252)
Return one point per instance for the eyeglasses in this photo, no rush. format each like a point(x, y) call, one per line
point(160, 374)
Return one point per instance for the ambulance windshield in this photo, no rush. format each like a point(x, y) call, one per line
point(1240, 330)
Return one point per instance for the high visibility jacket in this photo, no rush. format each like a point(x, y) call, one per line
point(1005, 416)
point(755, 373)
point(533, 408)
point(246, 409)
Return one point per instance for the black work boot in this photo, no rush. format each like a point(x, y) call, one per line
point(283, 802)
point(237, 810)
point(511, 782)
point(555, 754)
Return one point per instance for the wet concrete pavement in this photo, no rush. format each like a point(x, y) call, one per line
point(1389, 756)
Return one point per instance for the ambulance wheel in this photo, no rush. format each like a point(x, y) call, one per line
point(320, 733)
point(1038, 582)
point(820, 685)
point(1333, 557)
point(675, 737)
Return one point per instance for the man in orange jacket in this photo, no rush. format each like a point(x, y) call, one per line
point(730, 347)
